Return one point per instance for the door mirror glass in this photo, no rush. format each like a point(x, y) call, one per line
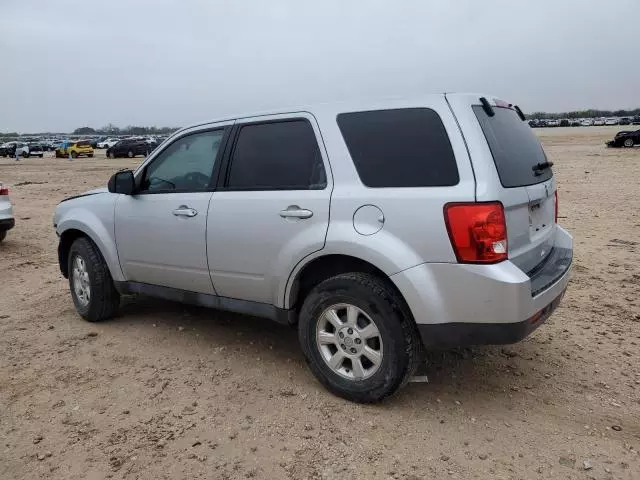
point(122, 182)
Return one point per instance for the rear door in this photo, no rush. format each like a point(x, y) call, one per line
point(271, 208)
point(509, 165)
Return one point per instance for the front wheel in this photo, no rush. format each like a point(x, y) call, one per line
point(130, 154)
point(90, 155)
point(629, 142)
point(3, 235)
point(358, 337)
point(25, 155)
point(111, 155)
point(90, 282)
point(41, 155)
point(74, 154)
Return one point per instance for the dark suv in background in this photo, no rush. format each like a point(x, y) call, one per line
point(129, 147)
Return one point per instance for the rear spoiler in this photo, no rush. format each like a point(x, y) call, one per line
point(488, 108)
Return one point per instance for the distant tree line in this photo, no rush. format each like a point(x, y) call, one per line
point(592, 113)
point(111, 129)
point(106, 130)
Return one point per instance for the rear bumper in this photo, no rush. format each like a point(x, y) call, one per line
point(458, 304)
point(7, 224)
point(465, 334)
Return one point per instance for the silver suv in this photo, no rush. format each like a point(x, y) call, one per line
point(377, 228)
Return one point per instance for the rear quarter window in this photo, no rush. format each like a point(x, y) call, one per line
point(400, 148)
point(514, 146)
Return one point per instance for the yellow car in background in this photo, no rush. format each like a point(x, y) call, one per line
point(75, 149)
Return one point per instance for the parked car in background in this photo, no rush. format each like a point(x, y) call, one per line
point(76, 149)
point(636, 120)
point(129, 147)
point(7, 222)
point(553, 123)
point(611, 121)
point(108, 143)
point(565, 122)
point(7, 149)
point(22, 149)
point(599, 122)
point(35, 150)
point(625, 121)
point(301, 217)
point(587, 122)
point(625, 139)
point(575, 122)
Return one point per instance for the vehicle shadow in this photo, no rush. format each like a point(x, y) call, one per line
point(471, 374)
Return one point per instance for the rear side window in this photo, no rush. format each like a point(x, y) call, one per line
point(400, 148)
point(514, 146)
point(83, 143)
point(276, 156)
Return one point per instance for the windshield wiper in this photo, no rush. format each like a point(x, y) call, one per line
point(541, 166)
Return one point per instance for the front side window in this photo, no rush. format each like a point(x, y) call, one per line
point(277, 156)
point(185, 165)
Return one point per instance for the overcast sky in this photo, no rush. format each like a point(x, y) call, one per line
point(71, 63)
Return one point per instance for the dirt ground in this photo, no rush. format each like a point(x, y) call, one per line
point(167, 391)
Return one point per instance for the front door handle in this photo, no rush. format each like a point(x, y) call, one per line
point(294, 211)
point(184, 211)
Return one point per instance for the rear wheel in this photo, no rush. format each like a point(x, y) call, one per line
point(3, 235)
point(358, 338)
point(629, 142)
point(41, 155)
point(90, 155)
point(90, 282)
point(112, 155)
point(74, 154)
point(25, 154)
point(130, 154)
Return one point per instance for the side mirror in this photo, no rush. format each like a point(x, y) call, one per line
point(122, 182)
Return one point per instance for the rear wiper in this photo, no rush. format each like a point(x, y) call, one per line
point(541, 166)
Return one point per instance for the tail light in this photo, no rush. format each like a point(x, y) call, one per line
point(478, 231)
point(4, 190)
point(556, 200)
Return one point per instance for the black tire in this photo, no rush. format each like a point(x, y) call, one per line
point(111, 155)
point(104, 299)
point(74, 154)
point(25, 155)
point(629, 142)
point(3, 235)
point(402, 345)
point(90, 155)
point(41, 155)
point(130, 154)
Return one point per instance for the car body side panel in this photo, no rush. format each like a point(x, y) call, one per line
point(412, 230)
point(94, 216)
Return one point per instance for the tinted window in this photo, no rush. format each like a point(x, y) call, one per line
point(277, 156)
point(185, 165)
point(514, 146)
point(400, 148)
point(83, 143)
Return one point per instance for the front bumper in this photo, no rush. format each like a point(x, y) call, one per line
point(459, 304)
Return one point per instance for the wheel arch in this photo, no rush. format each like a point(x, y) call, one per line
point(322, 267)
point(73, 230)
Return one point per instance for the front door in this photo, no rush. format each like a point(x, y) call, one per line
point(272, 208)
point(161, 229)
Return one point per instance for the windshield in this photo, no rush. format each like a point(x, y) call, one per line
point(515, 148)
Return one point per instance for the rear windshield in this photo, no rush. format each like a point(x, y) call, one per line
point(400, 148)
point(515, 148)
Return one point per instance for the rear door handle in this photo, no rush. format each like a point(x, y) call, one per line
point(184, 211)
point(294, 211)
